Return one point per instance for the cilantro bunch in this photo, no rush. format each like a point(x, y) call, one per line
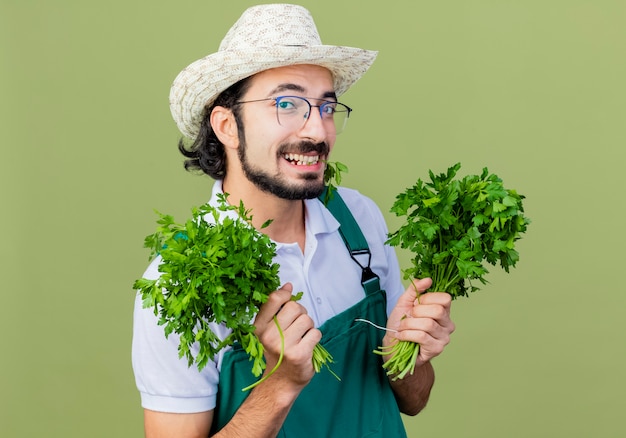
point(217, 271)
point(453, 226)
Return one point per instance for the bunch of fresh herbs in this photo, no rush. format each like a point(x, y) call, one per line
point(214, 269)
point(453, 226)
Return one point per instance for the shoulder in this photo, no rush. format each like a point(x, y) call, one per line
point(355, 199)
point(364, 209)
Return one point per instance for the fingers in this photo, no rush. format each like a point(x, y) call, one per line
point(432, 322)
point(434, 305)
point(275, 302)
point(427, 321)
point(288, 334)
point(294, 321)
point(432, 313)
point(417, 287)
point(436, 298)
point(292, 318)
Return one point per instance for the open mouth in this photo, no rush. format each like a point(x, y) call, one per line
point(302, 160)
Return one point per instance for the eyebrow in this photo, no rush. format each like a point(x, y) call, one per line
point(295, 87)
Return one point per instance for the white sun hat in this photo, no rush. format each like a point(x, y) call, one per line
point(264, 37)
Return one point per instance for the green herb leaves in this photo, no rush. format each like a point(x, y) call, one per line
point(332, 178)
point(215, 268)
point(219, 271)
point(453, 227)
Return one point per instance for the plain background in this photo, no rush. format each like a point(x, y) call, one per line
point(533, 89)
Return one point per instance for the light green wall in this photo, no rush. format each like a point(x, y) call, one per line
point(532, 89)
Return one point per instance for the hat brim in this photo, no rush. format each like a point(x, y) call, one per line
point(198, 85)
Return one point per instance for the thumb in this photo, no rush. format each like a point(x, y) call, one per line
point(418, 286)
point(421, 285)
point(407, 300)
point(287, 286)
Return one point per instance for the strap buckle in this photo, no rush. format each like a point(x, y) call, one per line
point(367, 274)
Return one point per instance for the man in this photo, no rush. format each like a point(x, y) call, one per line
point(264, 115)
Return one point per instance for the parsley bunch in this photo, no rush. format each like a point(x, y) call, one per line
point(453, 227)
point(218, 271)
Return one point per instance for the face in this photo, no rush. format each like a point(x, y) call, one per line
point(286, 162)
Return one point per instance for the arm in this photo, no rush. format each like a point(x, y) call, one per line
point(261, 415)
point(166, 424)
point(267, 406)
point(429, 325)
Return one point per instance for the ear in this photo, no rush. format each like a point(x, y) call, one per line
point(225, 127)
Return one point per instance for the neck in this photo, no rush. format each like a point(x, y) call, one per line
point(287, 216)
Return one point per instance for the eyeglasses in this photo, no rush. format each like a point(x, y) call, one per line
point(292, 112)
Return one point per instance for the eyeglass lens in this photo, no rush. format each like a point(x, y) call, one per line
point(293, 112)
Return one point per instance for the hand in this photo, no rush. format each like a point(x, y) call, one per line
point(299, 334)
point(423, 318)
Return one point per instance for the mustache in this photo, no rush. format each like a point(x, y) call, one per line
point(304, 147)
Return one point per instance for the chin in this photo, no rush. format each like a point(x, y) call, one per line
point(295, 192)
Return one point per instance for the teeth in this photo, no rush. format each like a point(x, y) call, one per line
point(302, 160)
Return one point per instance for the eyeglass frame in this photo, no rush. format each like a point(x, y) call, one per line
point(277, 99)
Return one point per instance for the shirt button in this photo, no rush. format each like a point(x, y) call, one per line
point(319, 300)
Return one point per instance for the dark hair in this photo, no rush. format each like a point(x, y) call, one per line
point(206, 153)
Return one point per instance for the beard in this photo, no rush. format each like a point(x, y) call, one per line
point(309, 186)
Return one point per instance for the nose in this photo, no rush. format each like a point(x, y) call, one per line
point(314, 127)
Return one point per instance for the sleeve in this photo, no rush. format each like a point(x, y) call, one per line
point(165, 382)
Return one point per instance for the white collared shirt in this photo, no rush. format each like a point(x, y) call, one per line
point(325, 272)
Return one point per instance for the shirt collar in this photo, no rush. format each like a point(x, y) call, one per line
point(318, 219)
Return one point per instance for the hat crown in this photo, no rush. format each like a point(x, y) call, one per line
point(272, 26)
